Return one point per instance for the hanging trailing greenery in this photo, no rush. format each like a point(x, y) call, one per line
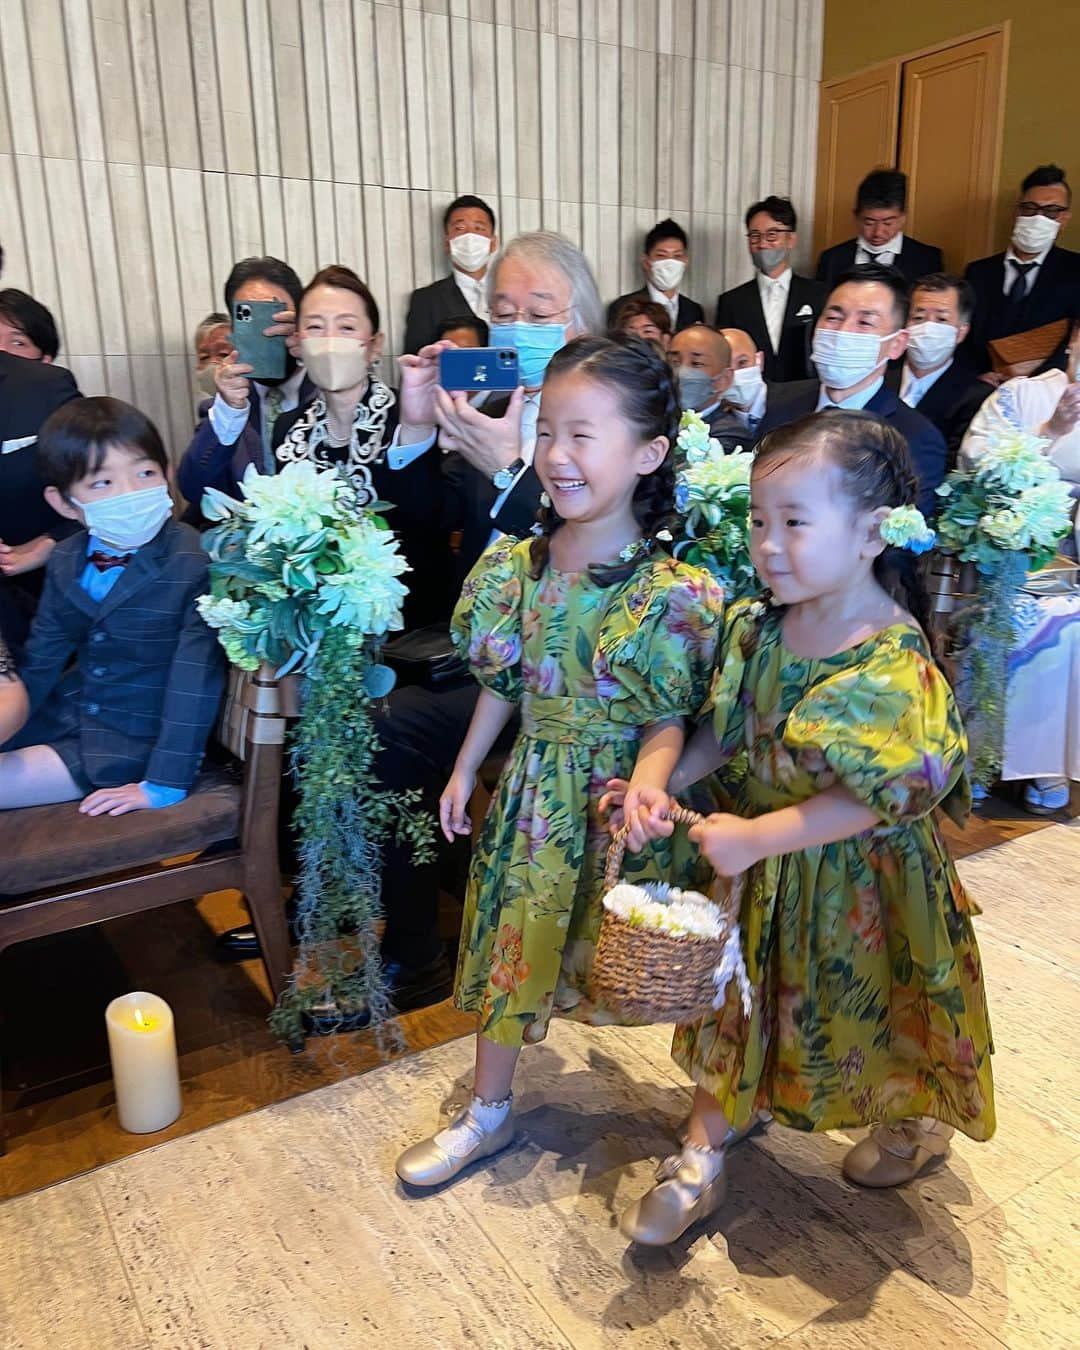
point(306, 581)
point(1006, 515)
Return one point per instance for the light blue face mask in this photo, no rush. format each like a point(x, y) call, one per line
point(535, 344)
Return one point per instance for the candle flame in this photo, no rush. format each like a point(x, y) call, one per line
point(142, 1023)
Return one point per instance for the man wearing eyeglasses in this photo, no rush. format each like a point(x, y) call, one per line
point(778, 308)
point(1034, 282)
point(880, 217)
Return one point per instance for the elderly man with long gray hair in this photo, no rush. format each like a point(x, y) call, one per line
point(542, 294)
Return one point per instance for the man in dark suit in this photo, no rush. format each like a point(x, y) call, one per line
point(1033, 282)
point(778, 308)
point(880, 216)
point(236, 427)
point(936, 375)
point(701, 360)
point(470, 239)
point(664, 262)
point(123, 675)
point(860, 330)
point(29, 528)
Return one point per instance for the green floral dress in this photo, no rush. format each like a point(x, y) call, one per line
point(591, 667)
point(869, 1002)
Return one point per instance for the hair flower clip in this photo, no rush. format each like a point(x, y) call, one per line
point(906, 527)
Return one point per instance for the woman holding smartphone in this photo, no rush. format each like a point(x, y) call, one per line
point(358, 422)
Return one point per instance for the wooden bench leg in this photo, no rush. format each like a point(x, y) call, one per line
point(263, 893)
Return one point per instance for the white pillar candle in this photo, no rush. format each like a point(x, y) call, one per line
point(146, 1075)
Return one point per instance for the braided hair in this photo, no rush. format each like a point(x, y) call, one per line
point(645, 387)
point(877, 470)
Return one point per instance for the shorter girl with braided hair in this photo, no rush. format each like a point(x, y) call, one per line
point(606, 644)
point(868, 1004)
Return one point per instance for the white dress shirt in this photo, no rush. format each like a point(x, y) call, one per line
point(672, 305)
point(913, 387)
point(774, 292)
point(888, 257)
point(1029, 276)
point(475, 293)
point(751, 417)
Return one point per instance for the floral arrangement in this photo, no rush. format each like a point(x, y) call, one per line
point(712, 494)
point(657, 905)
point(1005, 514)
point(1011, 501)
point(292, 559)
point(905, 527)
point(308, 582)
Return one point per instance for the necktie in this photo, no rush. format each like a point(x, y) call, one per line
point(774, 312)
point(103, 561)
point(1018, 290)
point(271, 406)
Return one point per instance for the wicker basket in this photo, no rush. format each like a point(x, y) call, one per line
point(647, 975)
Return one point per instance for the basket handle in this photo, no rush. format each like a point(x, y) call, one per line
point(681, 815)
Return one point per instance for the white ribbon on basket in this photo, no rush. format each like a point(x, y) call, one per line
point(732, 967)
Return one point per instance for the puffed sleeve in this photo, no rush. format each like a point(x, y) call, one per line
point(486, 626)
point(890, 731)
point(657, 646)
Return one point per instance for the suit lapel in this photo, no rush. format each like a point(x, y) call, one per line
point(70, 568)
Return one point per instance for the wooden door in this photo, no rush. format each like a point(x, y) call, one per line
point(952, 103)
point(857, 132)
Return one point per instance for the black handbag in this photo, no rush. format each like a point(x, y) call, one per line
point(426, 657)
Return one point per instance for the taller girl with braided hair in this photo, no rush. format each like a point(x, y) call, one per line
point(606, 644)
point(868, 1004)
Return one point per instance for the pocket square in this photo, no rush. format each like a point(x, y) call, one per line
point(18, 443)
point(805, 313)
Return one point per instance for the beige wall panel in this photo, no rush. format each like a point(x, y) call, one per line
point(145, 145)
point(52, 89)
point(207, 91)
point(177, 84)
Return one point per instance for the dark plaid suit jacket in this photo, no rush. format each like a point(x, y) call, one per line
point(144, 691)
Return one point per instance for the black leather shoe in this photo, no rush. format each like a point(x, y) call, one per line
point(238, 944)
point(418, 986)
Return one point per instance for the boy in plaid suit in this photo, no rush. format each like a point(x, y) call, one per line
point(125, 726)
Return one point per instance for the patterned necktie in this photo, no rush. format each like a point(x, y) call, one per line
point(271, 407)
point(1018, 290)
point(104, 561)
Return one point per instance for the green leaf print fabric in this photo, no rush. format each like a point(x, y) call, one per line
point(591, 667)
point(869, 1001)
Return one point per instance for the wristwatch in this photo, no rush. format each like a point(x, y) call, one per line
point(504, 478)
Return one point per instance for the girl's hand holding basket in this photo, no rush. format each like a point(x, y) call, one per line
point(644, 812)
point(729, 842)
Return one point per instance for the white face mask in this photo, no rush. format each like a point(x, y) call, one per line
point(843, 359)
point(130, 520)
point(745, 386)
point(667, 273)
point(876, 250)
point(1031, 234)
point(930, 343)
point(335, 363)
point(470, 252)
point(206, 380)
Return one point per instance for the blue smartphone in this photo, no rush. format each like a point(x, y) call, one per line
point(265, 354)
point(479, 368)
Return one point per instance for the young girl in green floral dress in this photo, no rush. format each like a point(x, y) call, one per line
point(868, 1002)
point(606, 644)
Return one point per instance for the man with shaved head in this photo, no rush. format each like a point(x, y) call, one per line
point(747, 394)
point(701, 360)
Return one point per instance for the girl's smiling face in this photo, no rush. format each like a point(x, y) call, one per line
point(589, 456)
point(806, 538)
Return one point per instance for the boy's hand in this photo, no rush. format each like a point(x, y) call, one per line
point(454, 802)
point(729, 843)
point(115, 801)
